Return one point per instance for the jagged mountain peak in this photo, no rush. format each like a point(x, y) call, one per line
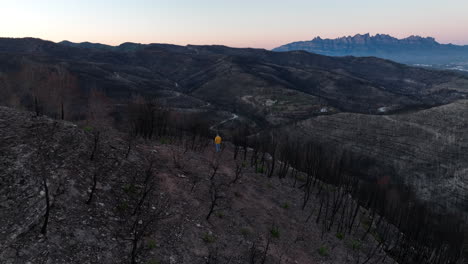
point(377, 38)
point(414, 49)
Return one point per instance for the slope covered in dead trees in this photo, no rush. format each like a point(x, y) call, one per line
point(81, 195)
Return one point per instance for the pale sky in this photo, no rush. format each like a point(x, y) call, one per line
point(238, 23)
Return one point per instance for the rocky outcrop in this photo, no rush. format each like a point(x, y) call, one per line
point(410, 50)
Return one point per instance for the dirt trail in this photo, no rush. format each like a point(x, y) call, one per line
point(215, 127)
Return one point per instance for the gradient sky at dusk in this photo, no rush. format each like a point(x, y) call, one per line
point(238, 23)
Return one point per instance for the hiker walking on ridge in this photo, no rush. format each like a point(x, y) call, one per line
point(217, 141)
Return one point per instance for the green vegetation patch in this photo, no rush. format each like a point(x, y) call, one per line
point(122, 207)
point(164, 141)
point(245, 232)
point(323, 251)
point(208, 238)
point(340, 235)
point(220, 214)
point(274, 232)
point(301, 178)
point(260, 170)
point(152, 244)
point(129, 189)
point(355, 244)
point(88, 128)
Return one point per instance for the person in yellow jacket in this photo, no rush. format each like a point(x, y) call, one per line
point(217, 141)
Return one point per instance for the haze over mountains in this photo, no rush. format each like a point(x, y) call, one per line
point(413, 50)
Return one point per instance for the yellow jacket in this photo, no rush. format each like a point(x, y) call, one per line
point(217, 140)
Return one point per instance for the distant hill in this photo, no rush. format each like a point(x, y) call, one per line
point(125, 47)
point(414, 50)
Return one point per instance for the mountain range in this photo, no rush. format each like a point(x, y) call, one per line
point(413, 50)
point(405, 122)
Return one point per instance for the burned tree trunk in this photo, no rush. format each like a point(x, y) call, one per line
point(95, 145)
point(47, 199)
point(93, 188)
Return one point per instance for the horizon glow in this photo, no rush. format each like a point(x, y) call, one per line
point(241, 23)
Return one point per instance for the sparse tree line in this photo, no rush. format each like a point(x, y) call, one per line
point(149, 119)
point(47, 90)
point(140, 207)
point(404, 227)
